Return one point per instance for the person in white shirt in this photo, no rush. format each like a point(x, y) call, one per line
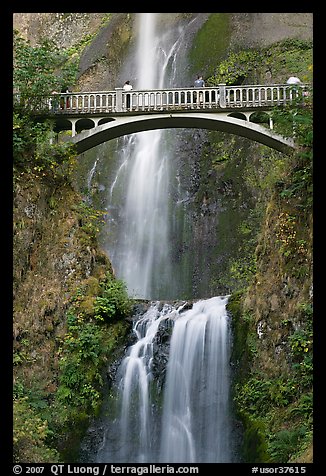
point(293, 80)
point(127, 87)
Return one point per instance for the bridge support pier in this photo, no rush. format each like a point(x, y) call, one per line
point(73, 126)
point(271, 124)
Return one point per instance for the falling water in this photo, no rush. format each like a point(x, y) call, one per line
point(196, 420)
point(141, 253)
point(194, 424)
point(185, 417)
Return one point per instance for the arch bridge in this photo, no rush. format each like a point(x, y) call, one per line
point(96, 117)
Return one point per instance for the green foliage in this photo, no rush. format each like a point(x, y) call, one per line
point(258, 400)
point(280, 60)
point(288, 57)
point(304, 406)
point(83, 343)
point(285, 443)
point(26, 135)
point(297, 119)
point(276, 411)
point(257, 394)
point(301, 345)
point(243, 269)
point(90, 219)
point(293, 245)
point(39, 70)
point(34, 153)
point(30, 435)
point(235, 68)
point(79, 374)
point(92, 336)
point(113, 303)
point(84, 351)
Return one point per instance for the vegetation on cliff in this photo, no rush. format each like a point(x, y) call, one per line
point(69, 310)
point(272, 317)
point(265, 224)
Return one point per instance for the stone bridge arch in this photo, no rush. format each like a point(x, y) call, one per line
point(120, 126)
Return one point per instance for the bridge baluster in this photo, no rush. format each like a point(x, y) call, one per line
point(175, 99)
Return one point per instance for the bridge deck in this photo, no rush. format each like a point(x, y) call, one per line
point(210, 99)
point(95, 117)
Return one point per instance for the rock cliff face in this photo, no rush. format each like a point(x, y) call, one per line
point(229, 201)
point(66, 29)
point(263, 29)
point(105, 38)
point(53, 255)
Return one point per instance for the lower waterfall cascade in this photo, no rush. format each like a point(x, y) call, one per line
point(176, 411)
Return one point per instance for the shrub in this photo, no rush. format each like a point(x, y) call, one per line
point(285, 443)
point(113, 303)
point(30, 435)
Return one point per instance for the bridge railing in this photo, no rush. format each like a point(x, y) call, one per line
point(220, 97)
point(169, 99)
point(260, 96)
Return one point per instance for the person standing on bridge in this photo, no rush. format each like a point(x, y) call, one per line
point(199, 83)
point(54, 101)
point(293, 80)
point(127, 87)
point(65, 101)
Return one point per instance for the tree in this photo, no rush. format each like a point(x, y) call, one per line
point(39, 70)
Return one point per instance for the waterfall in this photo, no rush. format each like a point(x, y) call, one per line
point(170, 398)
point(142, 245)
point(141, 251)
point(194, 423)
point(196, 420)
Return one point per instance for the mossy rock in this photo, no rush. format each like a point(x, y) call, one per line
point(254, 443)
point(210, 44)
point(92, 286)
point(86, 306)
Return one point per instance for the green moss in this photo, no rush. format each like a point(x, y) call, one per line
point(86, 348)
point(289, 57)
point(228, 185)
point(241, 324)
point(254, 443)
point(210, 44)
point(281, 60)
